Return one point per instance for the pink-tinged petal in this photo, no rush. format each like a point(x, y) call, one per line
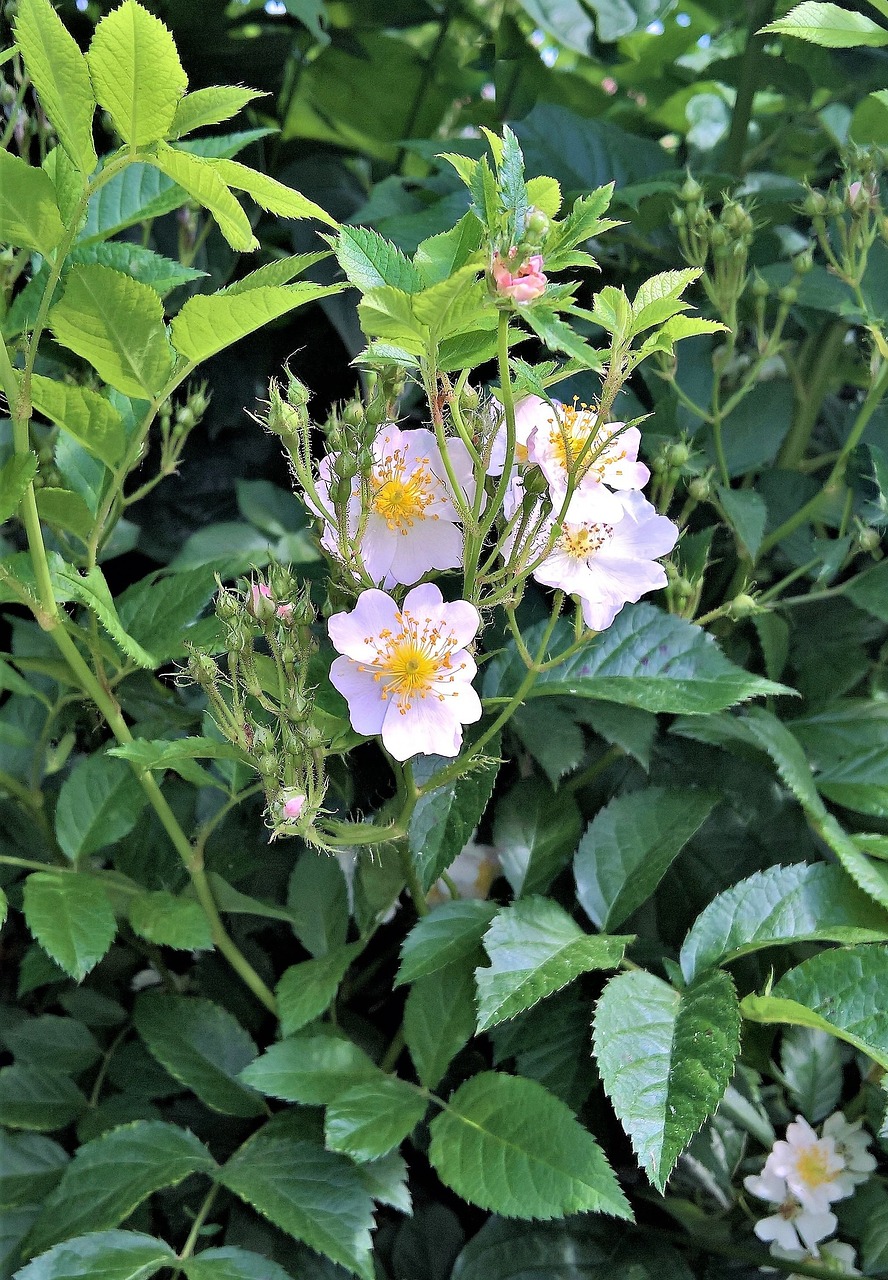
point(462, 621)
point(642, 532)
point(423, 599)
point(388, 440)
point(374, 612)
point(428, 727)
point(627, 579)
point(366, 708)
point(591, 503)
point(378, 549)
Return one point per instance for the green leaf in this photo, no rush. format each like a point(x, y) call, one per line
point(859, 783)
point(231, 1263)
point(91, 590)
point(535, 949)
point(30, 1166)
point(209, 323)
point(269, 194)
point(197, 176)
point(64, 1042)
point(202, 1046)
point(60, 75)
point(631, 844)
point(536, 833)
point(87, 416)
point(868, 590)
point(545, 1167)
point(829, 25)
point(179, 754)
point(748, 515)
point(116, 323)
point(371, 1119)
point(369, 261)
point(65, 510)
point(444, 819)
point(550, 1044)
point(210, 106)
point(307, 989)
point(779, 906)
point(439, 1018)
point(666, 1058)
point(811, 1063)
point(102, 1255)
point(560, 336)
point(647, 659)
point(441, 255)
point(136, 73)
point(71, 917)
point(317, 899)
point(313, 1067)
point(29, 215)
point(111, 1175)
point(158, 612)
point(315, 1195)
point(35, 1097)
point(277, 272)
point(450, 932)
point(15, 476)
point(168, 921)
point(99, 803)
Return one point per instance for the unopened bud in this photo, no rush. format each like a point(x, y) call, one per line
point(536, 226)
point(788, 294)
point(815, 205)
point(227, 606)
point(202, 668)
point(743, 606)
point(677, 454)
point(469, 398)
point(353, 413)
point(699, 488)
point(868, 539)
point(691, 191)
point(267, 764)
point(760, 288)
point(291, 802)
point(345, 466)
point(803, 262)
point(260, 602)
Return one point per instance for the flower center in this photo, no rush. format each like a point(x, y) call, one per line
point(568, 436)
point(413, 662)
point(814, 1165)
point(401, 498)
point(581, 541)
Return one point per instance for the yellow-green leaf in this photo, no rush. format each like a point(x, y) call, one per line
point(84, 414)
point(136, 73)
point(60, 75)
point(29, 215)
point(210, 106)
point(210, 322)
point(268, 193)
point(199, 178)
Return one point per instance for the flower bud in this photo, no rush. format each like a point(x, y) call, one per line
point(788, 294)
point(803, 262)
point(699, 488)
point(227, 606)
point(760, 288)
point(815, 205)
point(868, 539)
point(523, 285)
point(353, 413)
point(677, 454)
point(202, 668)
point(283, 418)
point(536, 226)
point(345, 466)
point(260, 602)
point(678, 217)
point(469, 398)
point(292, 802)
point(743, 606)
point(267, 764)
point(691, 191)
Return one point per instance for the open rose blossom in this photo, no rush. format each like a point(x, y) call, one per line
point(405, 673)
point(412, 523)
point(527, 418)
point(792, 1225)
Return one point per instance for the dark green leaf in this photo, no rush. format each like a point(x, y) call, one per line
point(64, 1042)
point(439, 1019)
point(313, 1067)
point(30, 1166)
point(535, 832)
point(158, 612)
point(231, 1263)
point(811, 1062)
point(71, 917)
point(445, 818)
point(99, 803)
point(448, 933)
point(306, 990)
point(371, 1119)
point(35, 1097)
point(101, 1255)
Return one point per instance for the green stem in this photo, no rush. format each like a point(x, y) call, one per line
point(816, 375)
point(194, 1234)
point(414, 884)
point(759, 12)
point(756, 1257)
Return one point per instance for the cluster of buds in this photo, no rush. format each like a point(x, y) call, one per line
point(263, 702)
point(516, 270)
point(718, 244)
point(176, 425)
point(848, 217)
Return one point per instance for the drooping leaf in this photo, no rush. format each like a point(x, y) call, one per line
point(371, 1119)
point(536, 832)
point(666, 1058)
point(268, 193)
point(99, 803)
point(550, 1044)
point(535, 948)
point(169, 921)
point(811, 1062)
point(196, 175)
point(29, 215)
point(306, 990)
point(89, 417)
point(231, 1263)
point(209, 323)
point(448, 933)
point(60, 75)
point(546, 1166)
point(180, 754)
point(210, 106)
point(780, 905)
point(158, 612)
point(111, 1175)
point(444, 819)
point(71, 917)
point(36, 1097)
point(439, 1019)
point(829, 25)
point(65, 510)
point(136, 73)
point(64, 1042)
point(312, 1067)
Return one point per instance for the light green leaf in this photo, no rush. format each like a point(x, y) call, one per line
point(444, 819)
point(198, 177)
point(829, 25)
point(180, 755)
point(441, 255)
point(89, 417)
point(30, 1166)
point(315, 1195)
point(29, 215)
point(631, 844)
point(136, 73)
point(373, 1118)
point(544, 194)
point(114, 1173)
point(232, 1263)
point(4, 908)
point(277, 272)
point(748, 514)
point(545, 1167)
point(269, 194)
point(116, 323)
point(307, 989)
point(71, 917)
point(202, 1046)
point(450, 932)
point(91, 590)
point(99, 803)
point(666, 1058)
point(439, 1018)
point(313, 1067)
point(210, 106)
point(169, 921)
point(15, 476)
point(369, 261)
point(60, 75)
point(535, 948)
point(35, 1097)
point(841, 991)
point(65, 510)
point(536, 832)
point(659, 298)
point(778, 906)
point(102, 1255)
point(209, 323)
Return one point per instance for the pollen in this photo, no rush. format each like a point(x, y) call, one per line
point(815, 1166)
point(583, 540)
point(400, 492)
point(414, 661)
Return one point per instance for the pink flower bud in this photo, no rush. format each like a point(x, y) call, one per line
point(293, 805)
point(523, 285)
point(260, 602)
point(284, 612)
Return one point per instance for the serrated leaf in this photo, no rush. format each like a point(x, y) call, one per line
point(136, 73)
point(829, 25)
point(268, 193)
point(277, 272)
point(550, 1044)
point(666, 1058)
point(60, 75)
point(371, 1119)
point(318, 903)
point(64, 1042)
point(450, 932)
point(115, 323)
point(29, 215)
point(114, 1173)
point(202, 1046)
point(169, 921)
point(312, 1067)
point(545, 1167)
point(71, 917)
point(646, 659)
point(36, 1097)
point(87, 416)
point(560, 336)
point(65, 510)
point(15, 476)
point(312, 1194)
point(535, 832)
point(232, 1263)
point(197, 176)
point(439, 256)
point(544, 194)
point(30, 1166)
point(778, 906)
point(535, 948)
point(99, 803)
point(307, 989)
point(209, 323)
point(444, 819)
point(631, 844)
point(868, 589)
point(840, 991)
point(748, 515)
point(157, 612)
point(91, 590)
point(210, 106)
point(439, 1019)
point(369, 261)
point(180, 754)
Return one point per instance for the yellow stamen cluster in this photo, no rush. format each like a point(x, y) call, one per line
point(568, 434)
point(401, 496)
point(414, 661)
point(582, 541)
point(814, 1165)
